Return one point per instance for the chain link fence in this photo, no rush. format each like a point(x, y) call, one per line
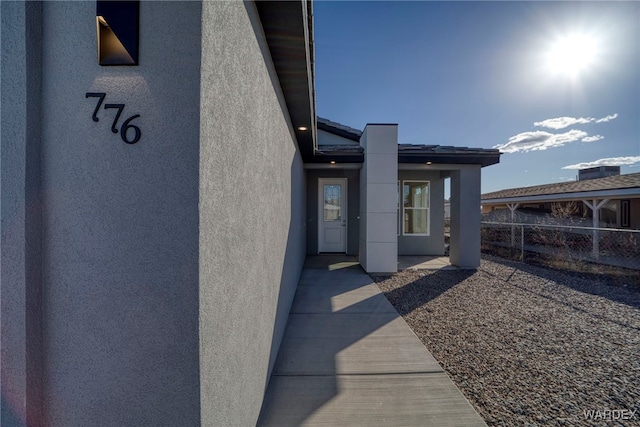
point(569, 247)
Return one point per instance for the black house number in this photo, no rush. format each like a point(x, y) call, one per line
point(126, 129)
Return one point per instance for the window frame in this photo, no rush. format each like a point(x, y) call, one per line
point(625, 213)
point(427, 209)
point(398, 211)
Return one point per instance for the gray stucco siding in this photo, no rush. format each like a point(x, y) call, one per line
point(120, 223)
point(433, 244)
point(144, 284)
point(252, 215)
point(353, 207)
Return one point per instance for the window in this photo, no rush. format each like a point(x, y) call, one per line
point(625, 213)
point(415, 208)
point(398, 207)
point(332, 202)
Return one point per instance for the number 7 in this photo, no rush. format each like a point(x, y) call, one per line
point(100, 95)
point(120, 107)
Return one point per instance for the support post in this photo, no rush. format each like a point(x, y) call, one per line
point(512, 207)
point(595, 206)
point(378, 252)
point(522, 242)
point(465, 217)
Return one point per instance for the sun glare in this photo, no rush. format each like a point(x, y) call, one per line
point(572, 54)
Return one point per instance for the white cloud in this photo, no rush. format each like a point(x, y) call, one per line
point(610, 161)
point(593, 138)
point(540, 140)
point(563, 122)
point(608, 118)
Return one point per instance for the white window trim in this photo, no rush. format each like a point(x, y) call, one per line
point(398, 211)
point(428, 209)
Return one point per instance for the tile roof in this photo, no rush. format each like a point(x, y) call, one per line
point(408, 153)
point(443, 149)
point(440, 154)
point(337, 128)
point(617, 182)
point(326, 149)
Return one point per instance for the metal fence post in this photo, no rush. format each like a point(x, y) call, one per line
point(522, 243)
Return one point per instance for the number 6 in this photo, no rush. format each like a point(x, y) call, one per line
point(125, 128)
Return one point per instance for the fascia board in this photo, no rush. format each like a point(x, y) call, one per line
point(583, 195)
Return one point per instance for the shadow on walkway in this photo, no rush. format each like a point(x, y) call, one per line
point(348, 358)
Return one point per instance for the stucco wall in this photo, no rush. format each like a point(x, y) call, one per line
point(434, 243)
point(353, 207)
point(252, 237)
point(167, 268)
point(20, 241)
point(120, 222)
point(327, 138)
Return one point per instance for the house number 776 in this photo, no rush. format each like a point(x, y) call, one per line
point(126, 125)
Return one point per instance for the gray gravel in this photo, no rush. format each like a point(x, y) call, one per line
point(528, 346)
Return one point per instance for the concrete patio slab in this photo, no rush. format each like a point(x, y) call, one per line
point(348, 358)
point(367, 400)
point(331, 262)
point(419, 262)
point(335, 325)
point(372, 354)
point(320, 277)
point(344, 298)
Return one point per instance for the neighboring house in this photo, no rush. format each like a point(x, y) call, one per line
point(601, 194)
point(156, 216)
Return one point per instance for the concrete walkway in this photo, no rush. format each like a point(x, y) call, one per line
point(349, 359)
point(419, 262)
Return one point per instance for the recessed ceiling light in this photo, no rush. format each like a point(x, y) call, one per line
point(302, 128)
point(333, 162)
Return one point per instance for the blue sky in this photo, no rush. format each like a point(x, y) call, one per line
point(478, 74)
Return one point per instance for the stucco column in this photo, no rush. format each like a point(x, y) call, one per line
point(378, 199)
point(465, 217)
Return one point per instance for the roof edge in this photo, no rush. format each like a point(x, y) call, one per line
point(288, 29)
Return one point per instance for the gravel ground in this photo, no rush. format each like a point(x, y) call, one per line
point(529, 346)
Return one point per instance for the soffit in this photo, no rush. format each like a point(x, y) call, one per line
point(288, 28)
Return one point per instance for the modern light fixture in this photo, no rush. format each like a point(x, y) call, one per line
point(302, 128)
point(117, 29)
point(428, 163)
point(333, 162)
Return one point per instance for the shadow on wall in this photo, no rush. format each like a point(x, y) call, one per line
point(292, 264)
point(293, 259)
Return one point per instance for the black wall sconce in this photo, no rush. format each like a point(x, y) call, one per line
point(117, 24)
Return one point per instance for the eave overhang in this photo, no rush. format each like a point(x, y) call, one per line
point(340, 130)
point(482, 159)
point(288, 28)
point(338, 158)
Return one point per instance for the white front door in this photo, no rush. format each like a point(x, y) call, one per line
point(332, 215)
